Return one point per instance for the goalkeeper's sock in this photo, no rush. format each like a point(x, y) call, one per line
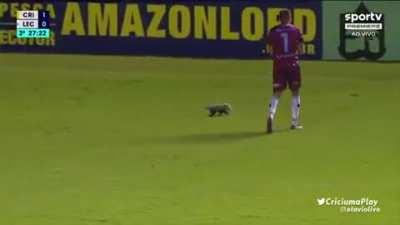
point(295, 109)
point(273, 105)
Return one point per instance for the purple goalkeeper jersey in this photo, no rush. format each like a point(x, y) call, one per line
point(285, 40)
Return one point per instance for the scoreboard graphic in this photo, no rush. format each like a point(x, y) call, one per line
point(33, 24)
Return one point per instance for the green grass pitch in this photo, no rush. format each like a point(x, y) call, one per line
point(89, 140)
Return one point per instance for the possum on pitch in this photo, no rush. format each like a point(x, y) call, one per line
point(219, 109)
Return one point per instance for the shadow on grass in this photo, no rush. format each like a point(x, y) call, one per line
point(209, 138)
point(216, 137)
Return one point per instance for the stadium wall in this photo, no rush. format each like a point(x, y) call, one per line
point(218, 29)
point(209, 28)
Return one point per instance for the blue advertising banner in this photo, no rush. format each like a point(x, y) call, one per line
point(218, 29)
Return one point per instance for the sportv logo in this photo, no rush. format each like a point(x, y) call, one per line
point(364, 17)
point(364, 21)
point(365, 27)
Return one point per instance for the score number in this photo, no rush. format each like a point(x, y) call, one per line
point(44, 20)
